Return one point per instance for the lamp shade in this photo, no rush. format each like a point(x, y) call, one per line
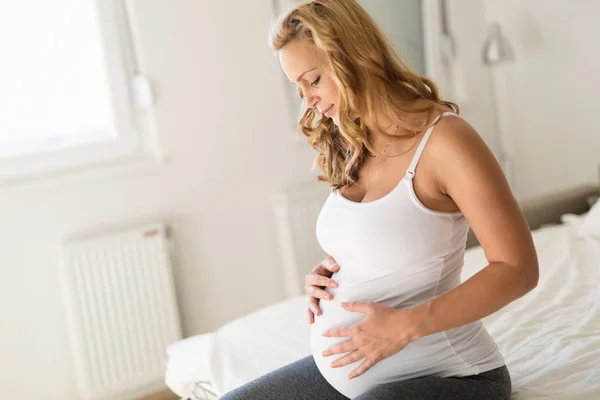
point(496, 48)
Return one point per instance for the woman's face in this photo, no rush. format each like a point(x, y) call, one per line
point(306, 66)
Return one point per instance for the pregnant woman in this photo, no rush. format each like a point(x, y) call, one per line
point(390, 317)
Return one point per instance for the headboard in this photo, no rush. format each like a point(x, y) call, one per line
point(297, 208)
point(547, 209)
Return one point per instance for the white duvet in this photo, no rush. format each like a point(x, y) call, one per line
point(550, 338)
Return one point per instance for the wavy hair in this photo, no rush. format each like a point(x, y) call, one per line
point(370, 76)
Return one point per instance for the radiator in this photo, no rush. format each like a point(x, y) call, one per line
point(121, 311)
point(297, 208)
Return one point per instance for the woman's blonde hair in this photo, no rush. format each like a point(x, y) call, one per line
point(370, 76)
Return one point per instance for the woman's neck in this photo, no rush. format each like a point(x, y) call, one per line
point(379, 141)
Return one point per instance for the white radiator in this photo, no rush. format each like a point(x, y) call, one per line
point(121, 310)
point(297, 208)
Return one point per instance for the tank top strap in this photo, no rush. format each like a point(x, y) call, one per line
point(410, 172)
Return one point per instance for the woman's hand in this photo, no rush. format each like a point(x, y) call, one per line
point(316, 281)
point(383, 332)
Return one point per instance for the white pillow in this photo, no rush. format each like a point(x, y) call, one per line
point(573, 221)
point(188, 363)
point(591, 224)
point(259, 342)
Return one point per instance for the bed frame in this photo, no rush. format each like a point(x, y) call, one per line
point(547, 209)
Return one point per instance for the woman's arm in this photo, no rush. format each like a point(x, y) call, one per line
point(467, 171)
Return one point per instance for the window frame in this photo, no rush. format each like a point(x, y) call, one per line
point(132, 105)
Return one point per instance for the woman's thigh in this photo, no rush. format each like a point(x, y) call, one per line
point(489, 385)
point(300, 380)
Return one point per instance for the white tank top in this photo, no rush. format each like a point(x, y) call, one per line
point(396, 252)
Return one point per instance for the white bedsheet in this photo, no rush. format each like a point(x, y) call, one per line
point(550, 338)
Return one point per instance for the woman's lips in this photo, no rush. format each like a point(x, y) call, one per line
point(328, 110)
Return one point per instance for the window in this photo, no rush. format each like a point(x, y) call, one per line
point(66, 87)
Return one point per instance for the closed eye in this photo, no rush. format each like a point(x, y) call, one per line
point(313, 84)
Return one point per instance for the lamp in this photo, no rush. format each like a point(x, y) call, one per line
point(497, 50)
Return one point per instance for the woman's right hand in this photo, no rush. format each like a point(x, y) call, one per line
point(316, 281)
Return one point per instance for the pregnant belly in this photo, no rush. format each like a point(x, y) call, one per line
point(422, 357)
point(334, 316)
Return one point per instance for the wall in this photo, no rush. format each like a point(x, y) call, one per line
point(552, 90)
point(224, 128)
point(547, 97)
point(476, 105)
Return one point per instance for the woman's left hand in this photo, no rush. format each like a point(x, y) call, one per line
point(383, 332)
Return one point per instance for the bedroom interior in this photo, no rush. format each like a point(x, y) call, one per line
point(176, 271)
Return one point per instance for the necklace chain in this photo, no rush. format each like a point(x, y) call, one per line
point(388, 144)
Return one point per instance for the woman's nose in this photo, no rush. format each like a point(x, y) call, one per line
point(311, 101)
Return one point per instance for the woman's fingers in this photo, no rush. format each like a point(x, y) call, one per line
point(311, 316)
point(331, 264)
point(316, 281)
point(319, 293)
point(319, 280)
point(313, 304)
point(313, 309)
point(326, 268)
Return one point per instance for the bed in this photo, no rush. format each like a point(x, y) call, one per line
point(550, 338)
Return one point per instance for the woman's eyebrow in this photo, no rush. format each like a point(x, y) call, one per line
point(301, 75)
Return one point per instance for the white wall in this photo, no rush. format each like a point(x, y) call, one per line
point(553, 90)
point(223, 125)
point(468, 26)
point(547, 96)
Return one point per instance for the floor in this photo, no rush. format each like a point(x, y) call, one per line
point(164, 395)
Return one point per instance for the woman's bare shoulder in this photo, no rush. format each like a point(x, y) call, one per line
point(453, 144)
point(452, 134)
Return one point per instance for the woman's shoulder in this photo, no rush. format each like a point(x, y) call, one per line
point(453, 146)
point(451, 134)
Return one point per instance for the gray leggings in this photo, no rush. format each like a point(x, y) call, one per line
point(301, 380)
